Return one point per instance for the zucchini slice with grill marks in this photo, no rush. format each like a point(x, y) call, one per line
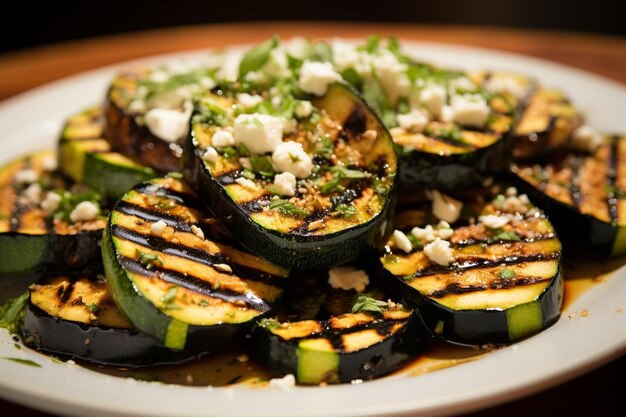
point(148, 108)
point(342, 155)
point(584, 189)
point(323, 335)
point(545, 125)
point(494, 276)
point(76, 317)
point(176, 274)
point(447, 154)
point(86, 157)
point(36, 230)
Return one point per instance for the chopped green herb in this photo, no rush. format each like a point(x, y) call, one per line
point(294, 158)
point(203, 303)
point(408, 278)
point(12, 313)
point(345, 210)
point(168, 297)
point(243, 150)
point(287, 208)
point(352, 77)
point(17, 346)
point(343, 172)
point(228, 152)
point(165, 204)
point(371, 44)
point(365, 303)
point(70, 200)
point(439, 327)
point(324, 147)
point(505, 236)
point(539, 176)
point(175, 175)
point(94, 308)
point(149, 260)
point(269, 324)
point(246, 173)
point(262, 165)
point(331, 187)
point(374, 94)
point(507, 273)
point(145, 377)
point(320, 51)
point(256, 57)
point(27, 362)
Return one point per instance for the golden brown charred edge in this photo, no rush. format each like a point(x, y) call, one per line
point(126, 136)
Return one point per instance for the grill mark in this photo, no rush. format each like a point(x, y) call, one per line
point(195, 255)
point(194, 284)
point(452, 142)
point(471, 242)
point(153, 215)
point(575, 165)
point(610, 179)
point(474, 263)
point(18, 209)
point(457, 289)
point(67, 292)
point(356, 121)
point(182, 198)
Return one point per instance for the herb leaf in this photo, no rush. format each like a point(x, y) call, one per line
point(505, 235)
point(269, 324)
point(287, 208)
point(345, 210)
point(23, 362)
point(507, 273)
point(262, 165)
point(365, 303)
point(331, 186)
point(94, 308)
point(149, 260)
point(353, 174)
point(256, 57)
point(12, 313)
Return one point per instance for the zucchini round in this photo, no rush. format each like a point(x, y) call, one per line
point(546, 124)
point(35, 238)
point(161, 94)
point(175, 273)
point(335, 336)
point(77, 317)
point(494, 276)
point(586, 190)
point(335, 210)
point(87, 158)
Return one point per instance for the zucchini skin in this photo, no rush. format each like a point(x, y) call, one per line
point(106, 346)
point(291, 250)
point(129, 138)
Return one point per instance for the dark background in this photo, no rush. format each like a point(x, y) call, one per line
point(37, 23)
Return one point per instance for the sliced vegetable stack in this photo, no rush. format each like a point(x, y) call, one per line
point(177, 275)
point(328, 335)
point(46, 224)
point(489, 277)
point(85, 157)
point(308, 186)
point(76, 317)
point(584, 188)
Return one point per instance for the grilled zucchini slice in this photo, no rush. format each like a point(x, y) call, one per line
point(326, 335)
point(546, 124)
point(76, 317)
point(586, 190)
point(494, 276)
point(342, 155)
point(87, 158)
point(37, 233)
point(147, 110)
point(175, 273)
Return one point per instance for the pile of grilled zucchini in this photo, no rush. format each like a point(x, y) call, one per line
point(331, 207)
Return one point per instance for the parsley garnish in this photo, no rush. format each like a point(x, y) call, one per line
point(343, 172)
point(287, 208)
point(269, 324)
point(94, 308)
point(69, 201)
point(345, 210)
point(262, 165)
point(27, 362)
point(12, 313)
point(365, 303)
point(505, 235)
point(320, 51)
point(149, 260)
point(169, 295)
point(256, 57)
point(507, 273)
point(331, 186)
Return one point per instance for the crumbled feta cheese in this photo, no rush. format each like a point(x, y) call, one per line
point(439, 252)
point(51, 203)
point(285, 383)
point(290, 157)
point(276, 66)
point(245, 163)
point(445, 207)
point(433, 97)
point(445, 234)
point(223, 267)
point(470, 109)
point(26, 176)
point(158, 227)
point(304, 109)
point(426, 234)
point(348, 278)
point(297, 47)
point(49, 163)
point(137, 107)
point(260, 133)
point(285, 184)
point(85, 211)
point(463, 83)
point(345, 55)
point(222, 138)
point(249, 101)
point(169, 125)
point(246, 183)
point(505, 84)
point(33, 193)
point(159, 76)
point(315, 77)
point(289, 125)
point(197, 231)
point(511, 191)
point(447, 114)
point(391, 75)
point(402, 242)
point(207, 83)
point(415, 121)
point(493, 221)
point(210, 155)
point(587, 139)
point(229, 68)
point(276, 101)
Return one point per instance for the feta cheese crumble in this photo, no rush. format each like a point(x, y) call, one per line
point(415, 121)
point(222, 138)
point(439, 252)
point(197, 231)
point(223, 267)
point(26, 176)
point(158, 227)
point(260, 133)
point(210, 155)
point(470, 109)
point(304, 109)
point(49, 163)
point(85, 211)
point(249, 101)
point(51, 203)
point(587, 139)
point(445, 207)
point(426, 234)
point(348, 278)
point(315, 77)
point(246, 183)
point(290, 157)
point(433, 97)
point(402, 242)
point(493, 221)
point(285, 383)
point(285, 184)
point(169, 125)
point(32, 194)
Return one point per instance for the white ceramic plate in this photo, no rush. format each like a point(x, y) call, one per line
point(571, 347)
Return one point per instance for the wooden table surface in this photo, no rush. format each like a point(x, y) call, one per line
point(595, 393)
